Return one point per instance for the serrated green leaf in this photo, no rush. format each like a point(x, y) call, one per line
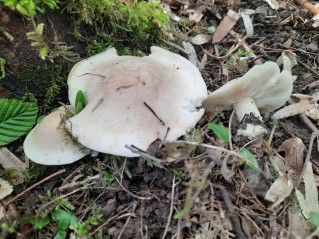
point(16, 119)
point(249, 158)
point(220, 131)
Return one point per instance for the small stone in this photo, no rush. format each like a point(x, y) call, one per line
point(313, 46)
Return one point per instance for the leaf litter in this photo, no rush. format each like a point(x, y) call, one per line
point(215, 184)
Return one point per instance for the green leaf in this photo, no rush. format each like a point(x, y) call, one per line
point(22, 10)
point(7, 228)
point(60, 235)
point(39, 223)
point(249, 158)
point(39, 29)
point(80, 101)
point(220, 131)
point(44, 52)
point(74, 222)
point(63, 218)
point(16, 119)
point(314, 216)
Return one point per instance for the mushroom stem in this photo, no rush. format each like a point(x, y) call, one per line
point(245, 106)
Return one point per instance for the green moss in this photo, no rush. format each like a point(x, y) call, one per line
point(44, 82)
point(123, 23)
point(9, 174)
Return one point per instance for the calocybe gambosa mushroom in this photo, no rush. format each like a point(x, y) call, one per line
point(48, 143)
point(134, 100)
point(262, 89)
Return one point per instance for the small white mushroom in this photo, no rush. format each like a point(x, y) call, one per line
point(49, 144)
point(262, 89)
point(134, 100)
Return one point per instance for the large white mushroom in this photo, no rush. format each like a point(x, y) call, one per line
point(134, 100)
point(262, 89)
point(49, 144)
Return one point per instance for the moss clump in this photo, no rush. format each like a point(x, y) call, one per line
point(45, 82)
point(122, 23)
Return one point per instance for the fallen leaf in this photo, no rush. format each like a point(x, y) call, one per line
point(2, 212)
point(201, 39)
point(306, 103)
point(309, 201)
point(273, 4)
point(9, 161)
point(313, 112)
point(294, 156)
point(315, 20)
point(192, 53)
point(298, 225)
point(197, 15)
point(228, 22)
point(291, 56)
point(279, 190)
point(5, 188)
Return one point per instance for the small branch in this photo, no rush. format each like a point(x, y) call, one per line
point(144, 154)
point(128, 219)
point(171, 209)
point(232, 214)
point(309, 124)
point(33, 186)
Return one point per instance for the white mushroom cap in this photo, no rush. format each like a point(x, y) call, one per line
point(50, 145)
point(263, 87)
point(134, 100)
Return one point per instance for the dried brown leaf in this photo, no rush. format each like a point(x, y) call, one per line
point(9, 161)
point(5, 188)
point(305, 103)
point(279, 190)
point(201, 39)
point(294, 156)
point(197, 15)
point(228, 22)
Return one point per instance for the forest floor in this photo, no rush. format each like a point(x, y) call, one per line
point(198, 192)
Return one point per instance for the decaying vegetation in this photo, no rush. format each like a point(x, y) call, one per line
point(211, 183)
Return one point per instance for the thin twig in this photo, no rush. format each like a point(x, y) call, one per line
point(230, 52)
point(128, 219)
point(309, 124)
point(132, 194)
point(210, 147)
point(143, 154)
point(271, 135)
point(33, 186)
point(175, 46)
point(229, 130)
point(232, 214)
point(171, 209)
point(109, 220)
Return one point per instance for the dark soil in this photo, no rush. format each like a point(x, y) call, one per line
point(137, 204)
